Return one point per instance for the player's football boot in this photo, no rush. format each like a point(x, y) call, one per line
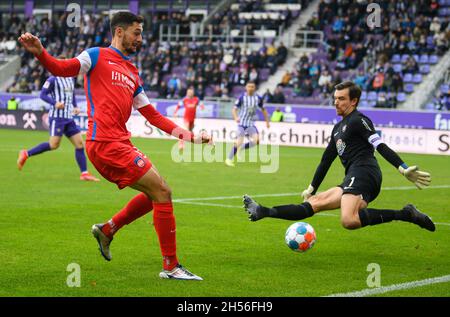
point(419, 218)
point(229, 162)
point(86, 176)
point(23, 155)
point(103, 241)
point(252, 208)
point(179, 273)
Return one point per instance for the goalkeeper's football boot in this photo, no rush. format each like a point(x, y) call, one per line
point(419, 218)
point(103, 241)
point(23, 156)
point(252, 208)
point(179, 273)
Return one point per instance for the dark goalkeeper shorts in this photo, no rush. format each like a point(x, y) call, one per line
point(364, 181)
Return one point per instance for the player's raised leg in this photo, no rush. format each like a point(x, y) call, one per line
point(327, 200)
point(253, 140)
point(355, 214)
point(237, 144)
point(80, 158)
point(164, 220)
point(52, 144)
point(137, 207)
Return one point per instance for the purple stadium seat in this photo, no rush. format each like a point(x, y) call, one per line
point(409, 88)
point(152, 94)
point(416, 58)
point(401, 97)
point(404, 58)
point(395, 58)
point(423, 59)
point(434, 59)
point(444, 88)
point(288, 91)
point(363, 95)
point(372, 96)
point(417, 78)
point(372, 104)
point(364, 104)
point(424, 69)
point(429, 106)
point(407, 78)
point(398, 68)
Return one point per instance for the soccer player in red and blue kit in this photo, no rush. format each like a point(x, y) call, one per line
point(59, 92)
point(190, 104)
point(112, 87)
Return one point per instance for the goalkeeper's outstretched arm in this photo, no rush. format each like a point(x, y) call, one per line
point(327, 159)
point(420, 178)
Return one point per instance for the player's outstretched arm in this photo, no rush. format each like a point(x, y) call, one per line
point(62, 68)
point(327, 159)
point(158, 120)
point(412, 173)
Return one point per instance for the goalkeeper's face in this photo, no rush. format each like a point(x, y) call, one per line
point(132, 38)
point(342, 102)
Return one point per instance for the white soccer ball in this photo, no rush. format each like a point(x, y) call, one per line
point(300, 237)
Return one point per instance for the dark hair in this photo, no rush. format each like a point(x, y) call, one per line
point(124, 19)
point(251, 82)
point(354, 91)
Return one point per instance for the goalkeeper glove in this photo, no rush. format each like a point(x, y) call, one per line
point(307, 192)
point(419, 178)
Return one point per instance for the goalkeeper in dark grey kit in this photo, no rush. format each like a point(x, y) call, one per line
point(354, 139)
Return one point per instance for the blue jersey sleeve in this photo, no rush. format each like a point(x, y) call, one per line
point(47, 88)
point(260, 102)
point(238, 102)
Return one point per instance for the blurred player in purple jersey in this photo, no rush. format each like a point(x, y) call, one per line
point(59, 92)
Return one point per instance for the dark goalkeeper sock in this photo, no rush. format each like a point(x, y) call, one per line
point(372, 217)
point(289, 212)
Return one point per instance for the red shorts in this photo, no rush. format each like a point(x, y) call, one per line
point(118, 161)
point(189, 123)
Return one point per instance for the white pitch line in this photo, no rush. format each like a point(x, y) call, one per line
point(442, 223)
point(394, 287)
point(295, 194)
point(206, 204)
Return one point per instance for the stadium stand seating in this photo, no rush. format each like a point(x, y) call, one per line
point(387, 62)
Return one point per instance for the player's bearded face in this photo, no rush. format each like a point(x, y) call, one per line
point(342, 102)
point(132, 40)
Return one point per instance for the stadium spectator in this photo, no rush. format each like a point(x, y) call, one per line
point(268, 97)
point(411, 66)
point(306, 89)
point(12, 104)
point(277, 115)
point(278, 95)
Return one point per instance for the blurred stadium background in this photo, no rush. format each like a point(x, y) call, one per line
point(295, 50)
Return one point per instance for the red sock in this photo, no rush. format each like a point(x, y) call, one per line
point(164, 222)
point(136, 208)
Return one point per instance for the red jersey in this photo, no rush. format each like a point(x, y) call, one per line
point(190, 107)
point(112, 87)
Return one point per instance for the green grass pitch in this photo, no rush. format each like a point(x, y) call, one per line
point(46, 216)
